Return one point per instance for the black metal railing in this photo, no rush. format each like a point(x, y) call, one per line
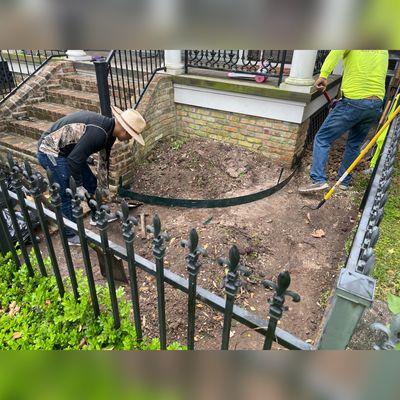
point(17, 66)
point(361, 257)
point(355, 288)
point(17, 181)
point(316, 121)
point(123, 77)
point(262, 63)
point(321, 55)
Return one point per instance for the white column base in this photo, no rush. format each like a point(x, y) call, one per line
point(173, 62)
point(307, 86)
point(175, 70)
point(78, 55)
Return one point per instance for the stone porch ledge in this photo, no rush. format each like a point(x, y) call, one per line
point(250, 88)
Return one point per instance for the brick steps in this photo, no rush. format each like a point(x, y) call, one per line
point(85, 83)
point(21, 147)
point(50, 111)
point(71, 93)
point(75, 98)
point(88, 84)
point(32, 128)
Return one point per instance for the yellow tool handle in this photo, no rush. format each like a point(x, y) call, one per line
point(362, 153)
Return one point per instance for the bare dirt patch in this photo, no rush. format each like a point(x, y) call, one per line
point(272, 234)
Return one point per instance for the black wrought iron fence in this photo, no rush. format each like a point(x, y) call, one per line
point(17, 66)
point(124, 76)
point(261, 63)
point(316, 121)
point(23, 180)
point(361, 257)
point(355, 288)
point(321, 55)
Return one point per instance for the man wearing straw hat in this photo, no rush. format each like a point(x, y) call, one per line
point(65, 147)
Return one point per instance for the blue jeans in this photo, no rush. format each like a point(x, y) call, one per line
point(61, 174)
point(353, 116)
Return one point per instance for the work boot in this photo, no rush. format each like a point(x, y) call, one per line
point(311, 188)
point(74, 241)
point(343, 187)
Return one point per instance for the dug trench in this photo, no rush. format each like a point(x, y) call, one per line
point(272, 234)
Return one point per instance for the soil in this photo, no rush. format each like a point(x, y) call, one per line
point(272, 234)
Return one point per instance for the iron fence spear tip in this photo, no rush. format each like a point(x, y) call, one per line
point(156, 225)
point(125, 210)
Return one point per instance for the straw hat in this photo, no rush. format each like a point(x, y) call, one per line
point(132, 122)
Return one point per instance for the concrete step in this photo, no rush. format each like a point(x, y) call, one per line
point(21, 147)
point(32, 128)
point(75, 98)
point(50, 111)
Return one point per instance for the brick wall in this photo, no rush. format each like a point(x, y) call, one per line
point(158, 109)
point(278, 140)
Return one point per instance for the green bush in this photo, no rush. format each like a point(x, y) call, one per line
point(34, 316)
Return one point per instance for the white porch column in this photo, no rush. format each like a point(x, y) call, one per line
point(173, 62)
point(301, 72)
point(78, 55)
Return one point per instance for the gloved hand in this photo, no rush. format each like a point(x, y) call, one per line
point(81, 192)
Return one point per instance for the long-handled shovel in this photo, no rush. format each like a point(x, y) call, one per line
point(363, 152)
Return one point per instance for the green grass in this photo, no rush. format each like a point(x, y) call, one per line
point(387, 250)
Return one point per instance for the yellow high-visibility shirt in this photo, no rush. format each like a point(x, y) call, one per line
point(364, 71)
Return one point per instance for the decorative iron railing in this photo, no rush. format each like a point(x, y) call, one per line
point(321, 55)
point(124, 76)
point(355, 288)
point(18, 180)
point(17, 66)
point(316, 121)
point(261, 63)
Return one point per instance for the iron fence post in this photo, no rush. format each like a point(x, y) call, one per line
point(129, 236)
point(102, 225)
point(77, 212)
point(231, 287)
point(193, 267)
point(54, 189)
point(277, 305)
point(6, 243)
point(159, 252)
point(36, 182)
point(354, 293)
point(102, 68)
point(14, 221)
point(16, 179)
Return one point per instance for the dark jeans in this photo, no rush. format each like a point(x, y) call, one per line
point(353, 116)
point(61, 174)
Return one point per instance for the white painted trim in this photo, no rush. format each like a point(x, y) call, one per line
point(258, 106)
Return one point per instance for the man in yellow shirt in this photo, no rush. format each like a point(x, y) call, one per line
point(363, 90)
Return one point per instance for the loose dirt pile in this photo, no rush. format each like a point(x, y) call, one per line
point(272, 234)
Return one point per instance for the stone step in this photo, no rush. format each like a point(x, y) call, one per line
point(50, 111)
point(32, 128)
point(75, 98)
point(21, 147)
